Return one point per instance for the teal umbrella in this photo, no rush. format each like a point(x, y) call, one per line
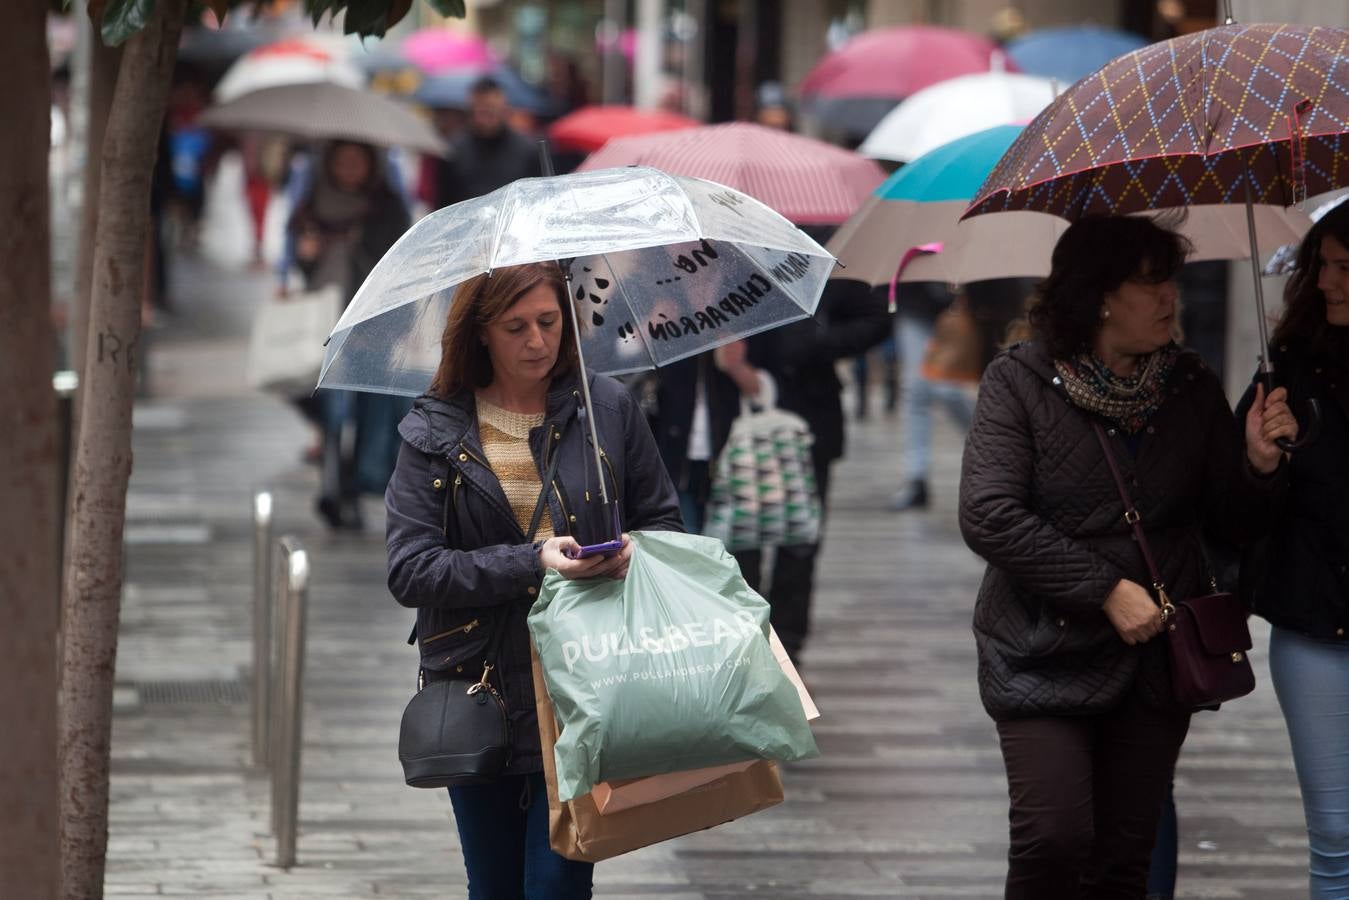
point(909, 229)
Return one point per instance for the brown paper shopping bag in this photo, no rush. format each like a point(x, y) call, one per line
point(577, 829)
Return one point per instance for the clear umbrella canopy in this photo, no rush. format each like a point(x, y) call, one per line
point(662, 267)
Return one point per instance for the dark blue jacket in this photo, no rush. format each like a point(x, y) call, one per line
point(457, 554)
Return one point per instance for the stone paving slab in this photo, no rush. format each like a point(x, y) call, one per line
point(907, 801)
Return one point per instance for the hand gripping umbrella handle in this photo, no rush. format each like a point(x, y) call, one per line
point(1311, 429)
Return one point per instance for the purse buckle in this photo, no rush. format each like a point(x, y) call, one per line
point(1164, 602)
point(481, 684)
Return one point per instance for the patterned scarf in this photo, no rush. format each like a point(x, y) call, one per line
point(1127, 400)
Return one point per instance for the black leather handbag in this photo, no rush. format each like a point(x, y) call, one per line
point(456, 731)
point(1207, 637)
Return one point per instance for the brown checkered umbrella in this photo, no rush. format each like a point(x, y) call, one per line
point(1178, 123)
point(1239, 114)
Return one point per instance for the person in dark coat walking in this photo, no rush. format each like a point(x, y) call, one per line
point(695, 404)
point(505, 403)
point(1071, 667)
point(1300, 580)
point(851, 318)
point(489, 154)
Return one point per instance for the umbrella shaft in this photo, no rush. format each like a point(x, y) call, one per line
point(1261, 324)
point(585, 393)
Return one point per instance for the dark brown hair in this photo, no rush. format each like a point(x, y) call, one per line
point(1093, 257)
point(464, 360)
point(1304, 306)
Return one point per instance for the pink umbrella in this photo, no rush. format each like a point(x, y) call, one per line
point(805, 180)
point(435, 50)
point(853, 87)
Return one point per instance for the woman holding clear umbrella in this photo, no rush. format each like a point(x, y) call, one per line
point(495, 484)
point(1300, 583)
point(1072, 658)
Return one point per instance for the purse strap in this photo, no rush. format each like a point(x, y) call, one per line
point(494, 643)
point(1135, 520)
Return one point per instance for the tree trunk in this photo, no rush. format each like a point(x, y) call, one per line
point(29, 846)
point(103, 63)
point(93, 589)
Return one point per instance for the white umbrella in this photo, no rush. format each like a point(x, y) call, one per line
point(303, 60)
point(323, 111)
point(952, 109)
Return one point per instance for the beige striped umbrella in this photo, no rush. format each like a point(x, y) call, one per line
point(325, 111)
point(807, 182)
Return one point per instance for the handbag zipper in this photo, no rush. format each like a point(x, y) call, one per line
point(466, 628)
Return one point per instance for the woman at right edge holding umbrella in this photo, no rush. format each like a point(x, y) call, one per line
point(1302, 587)
point(1073, 667)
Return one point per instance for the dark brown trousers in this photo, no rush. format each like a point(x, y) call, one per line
point(1086, 795)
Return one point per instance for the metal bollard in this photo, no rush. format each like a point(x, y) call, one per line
point(262, 626)
point(288, 733)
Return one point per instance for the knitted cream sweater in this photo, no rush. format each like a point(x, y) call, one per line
point(505, 440)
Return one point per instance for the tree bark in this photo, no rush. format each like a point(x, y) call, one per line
point(29, 846)
point(103, 64)
point(93, 589)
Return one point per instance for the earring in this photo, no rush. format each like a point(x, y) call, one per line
point(1105, 312)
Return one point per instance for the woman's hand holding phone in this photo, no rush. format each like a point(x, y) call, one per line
point(563, 554)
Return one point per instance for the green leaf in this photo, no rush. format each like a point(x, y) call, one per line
point(368, 18)
point(317, 8)
point(453, 9)
point(121, 18)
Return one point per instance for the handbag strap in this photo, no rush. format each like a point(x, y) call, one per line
point(1135, 520)
point(499, 630)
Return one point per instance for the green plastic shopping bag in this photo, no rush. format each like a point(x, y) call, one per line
point(667, 670)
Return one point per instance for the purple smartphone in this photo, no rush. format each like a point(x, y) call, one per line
point(608, 548)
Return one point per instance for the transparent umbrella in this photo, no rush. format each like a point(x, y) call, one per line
point(661, 268)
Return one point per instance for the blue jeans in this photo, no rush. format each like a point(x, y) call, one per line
point(920, 395)
point(1311, 679)
point(503, 829)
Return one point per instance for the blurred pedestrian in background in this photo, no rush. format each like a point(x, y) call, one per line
point(1297, 578)
point(488, 154)
point(342, 227)
point(772, 108)
point(943, 361)
point(801, 358)
point(695, 402)
point(1070, 667)
point(925, 310)
point(472, 528)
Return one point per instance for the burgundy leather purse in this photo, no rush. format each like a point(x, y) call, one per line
point(1207, 636)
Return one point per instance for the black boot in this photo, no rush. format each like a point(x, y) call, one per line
point(912, 496)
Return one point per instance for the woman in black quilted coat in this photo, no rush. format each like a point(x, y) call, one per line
point(1071, 667)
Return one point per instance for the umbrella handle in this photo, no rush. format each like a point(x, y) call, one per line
point(1311, 428)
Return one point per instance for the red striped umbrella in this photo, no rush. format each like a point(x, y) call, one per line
point(590, 127)
point(806, 181)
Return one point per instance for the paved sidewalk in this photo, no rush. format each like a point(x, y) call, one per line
point(907, 801)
